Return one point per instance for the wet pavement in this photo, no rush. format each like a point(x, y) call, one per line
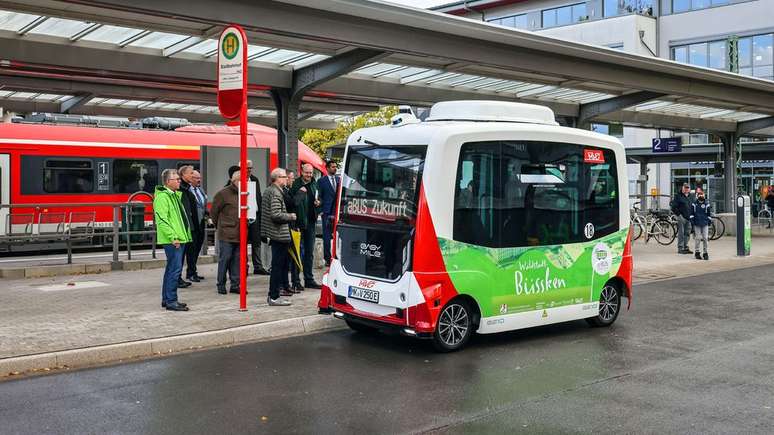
point(694, 355)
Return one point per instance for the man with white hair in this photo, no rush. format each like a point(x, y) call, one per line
point(225, 216)
point(254, 224)
point(172, 232)
point(274, 226)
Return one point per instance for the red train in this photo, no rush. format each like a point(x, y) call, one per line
point(44, 164)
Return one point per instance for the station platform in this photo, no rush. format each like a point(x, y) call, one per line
point(64, 322)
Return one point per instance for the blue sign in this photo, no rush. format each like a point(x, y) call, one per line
point(668, 145)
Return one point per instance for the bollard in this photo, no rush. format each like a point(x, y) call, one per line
point(115, 235)
point(743, 228)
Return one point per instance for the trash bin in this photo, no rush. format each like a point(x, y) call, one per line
point(135, 221)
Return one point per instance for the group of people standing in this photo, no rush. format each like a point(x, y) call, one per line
point(695, 211)
point(180, 208)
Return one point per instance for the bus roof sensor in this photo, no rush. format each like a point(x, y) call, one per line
point(497, 111)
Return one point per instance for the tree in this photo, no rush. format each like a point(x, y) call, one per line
point(321, 140)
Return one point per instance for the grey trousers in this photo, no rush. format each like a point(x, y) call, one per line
point(703, 234)
point(683, 233)
point(228, 262)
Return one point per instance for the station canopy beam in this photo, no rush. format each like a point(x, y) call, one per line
point(746, 127)
point(588, 111)
point(288, 100)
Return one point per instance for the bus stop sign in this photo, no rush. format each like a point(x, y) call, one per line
point(232, 76)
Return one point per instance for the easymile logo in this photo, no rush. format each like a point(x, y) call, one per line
point(371, 250)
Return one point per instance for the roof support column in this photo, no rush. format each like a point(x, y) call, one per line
point(588, 111)
point(730, 170)
point(288, 100)
point(643, 182)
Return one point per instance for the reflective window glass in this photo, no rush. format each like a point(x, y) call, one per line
point(700, 4)
point(564, 16)
point(579, 12)
point(520, 21)
point(697, 54)
point(549, 18)
point(130, 176)
point(68, 176)
point(718, 55)
point(681, 5)
point(745, 52)
point(680, 54)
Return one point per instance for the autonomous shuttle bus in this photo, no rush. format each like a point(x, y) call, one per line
point(486, 217)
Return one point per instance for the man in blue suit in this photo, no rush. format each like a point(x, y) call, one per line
point(328, 186)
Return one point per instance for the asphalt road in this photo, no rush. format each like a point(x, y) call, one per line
point(694, 355)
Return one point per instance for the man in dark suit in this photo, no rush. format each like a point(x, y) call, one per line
point(190, 207)
point(328, 186)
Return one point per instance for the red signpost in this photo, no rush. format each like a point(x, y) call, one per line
point(232, 103)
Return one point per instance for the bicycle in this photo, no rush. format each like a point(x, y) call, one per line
point(716, 227)
point(653, 224)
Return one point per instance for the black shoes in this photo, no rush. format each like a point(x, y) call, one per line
point(297, 288)
point(697, 255)
point(261, 271)
point(313, 284)
point(685, 251)
point(182, 304)
point(222, 291)
point(176, 306)
point(183, 284)
point(705, 256)
point(196, 278)
point(236, 291)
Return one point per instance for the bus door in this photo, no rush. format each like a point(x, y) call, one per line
point(5, 190)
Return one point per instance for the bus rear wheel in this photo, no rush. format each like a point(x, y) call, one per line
point(454, 327)
point(609, 307)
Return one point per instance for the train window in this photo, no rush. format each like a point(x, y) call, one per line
point(131, 176)
point(68, 176)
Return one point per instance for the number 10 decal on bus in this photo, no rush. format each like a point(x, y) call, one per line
point(485, 217)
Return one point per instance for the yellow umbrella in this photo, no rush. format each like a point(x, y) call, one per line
point(295, 248)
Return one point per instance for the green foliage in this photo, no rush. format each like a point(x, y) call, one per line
point(321, 140)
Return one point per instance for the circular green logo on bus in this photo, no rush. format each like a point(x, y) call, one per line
point(230, 46)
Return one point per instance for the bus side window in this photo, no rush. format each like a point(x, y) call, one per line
point(477, 195)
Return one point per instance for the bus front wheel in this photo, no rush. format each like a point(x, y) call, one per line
point(609, 306)
point(454, 327)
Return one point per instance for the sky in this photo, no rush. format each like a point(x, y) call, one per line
point(420, 3)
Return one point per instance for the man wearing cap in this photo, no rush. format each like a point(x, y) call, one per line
point(681, 206)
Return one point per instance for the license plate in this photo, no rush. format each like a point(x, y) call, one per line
point(364, 294)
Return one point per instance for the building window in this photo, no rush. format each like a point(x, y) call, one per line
point(694, 5)
point(68, 176)
point(564, 15)
point(614, 8)
point(131, 176)
point(755, 53)
point(516, 21)
point(707, 54)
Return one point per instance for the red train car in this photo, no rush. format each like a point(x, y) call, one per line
point(44, 164)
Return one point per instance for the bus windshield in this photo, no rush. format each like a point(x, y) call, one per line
point(381, 184)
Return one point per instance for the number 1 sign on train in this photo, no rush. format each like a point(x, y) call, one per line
point(232, 77)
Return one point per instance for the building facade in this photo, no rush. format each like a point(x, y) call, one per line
point(730, 35)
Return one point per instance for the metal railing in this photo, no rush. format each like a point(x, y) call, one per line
point(47, 223)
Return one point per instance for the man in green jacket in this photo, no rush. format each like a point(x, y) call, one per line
point(304, 190)
point(172, 232)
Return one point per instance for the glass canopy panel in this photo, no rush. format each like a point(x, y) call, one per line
point(203, 47)
point(60, 27)
point(158, 40)
point(14, 21)
point(110, 34)
point(277, 56)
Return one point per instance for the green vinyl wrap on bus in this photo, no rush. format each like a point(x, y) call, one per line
point(516, 280)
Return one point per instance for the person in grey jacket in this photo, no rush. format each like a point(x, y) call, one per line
point(274, 226)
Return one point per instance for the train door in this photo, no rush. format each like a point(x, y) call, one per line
point(5, 189)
